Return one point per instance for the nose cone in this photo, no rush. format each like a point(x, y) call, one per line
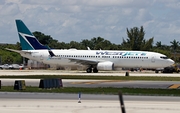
point(170, 62)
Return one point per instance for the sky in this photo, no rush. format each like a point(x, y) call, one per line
point(76, 20)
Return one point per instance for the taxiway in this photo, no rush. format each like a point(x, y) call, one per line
point(101, 73)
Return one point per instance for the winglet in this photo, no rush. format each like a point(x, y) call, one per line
point(50, 51)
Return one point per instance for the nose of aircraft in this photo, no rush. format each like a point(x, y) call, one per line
point(170, 62)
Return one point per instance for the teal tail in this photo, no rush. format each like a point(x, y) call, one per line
point(27, 39)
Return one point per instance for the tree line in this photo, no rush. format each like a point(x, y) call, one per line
point(135, 41)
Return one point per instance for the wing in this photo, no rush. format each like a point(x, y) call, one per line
point(84, 61)
point(77, 60)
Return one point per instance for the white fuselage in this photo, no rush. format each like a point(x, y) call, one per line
point(130, 59)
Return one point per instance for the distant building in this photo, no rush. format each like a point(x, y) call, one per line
point(36, 65)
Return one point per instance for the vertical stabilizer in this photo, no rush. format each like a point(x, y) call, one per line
point(27, 39)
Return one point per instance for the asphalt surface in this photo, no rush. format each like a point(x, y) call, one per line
point(83, 73)
point(17, 102)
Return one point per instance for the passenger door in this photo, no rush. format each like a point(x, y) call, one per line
point(153, 59)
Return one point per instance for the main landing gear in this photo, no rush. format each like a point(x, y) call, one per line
point(90, 69)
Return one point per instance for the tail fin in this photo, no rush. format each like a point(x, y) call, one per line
point(27, 39)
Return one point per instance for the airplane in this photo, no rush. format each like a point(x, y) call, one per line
point(93, 60)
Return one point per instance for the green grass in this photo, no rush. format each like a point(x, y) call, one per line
point(108, 90)
point(146, 78)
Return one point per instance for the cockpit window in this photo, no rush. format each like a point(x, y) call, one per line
point(164, 57)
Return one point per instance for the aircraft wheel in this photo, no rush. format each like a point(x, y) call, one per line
point(156, 71)
point(89, 70)
point(95, 70)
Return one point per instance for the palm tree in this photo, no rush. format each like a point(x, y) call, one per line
point(136, 41)
point(158, 44)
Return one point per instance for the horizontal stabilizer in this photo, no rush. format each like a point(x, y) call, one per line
point(18, 51)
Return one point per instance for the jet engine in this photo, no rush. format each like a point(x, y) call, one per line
point(105, 65)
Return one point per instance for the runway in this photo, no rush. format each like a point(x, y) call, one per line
point(83, 73)
point(68, 103)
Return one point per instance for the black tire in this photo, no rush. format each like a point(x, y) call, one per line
point(156, 71)
point(95, 70)
point(89, 70)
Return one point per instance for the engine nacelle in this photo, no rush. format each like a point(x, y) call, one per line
point(105, 65)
